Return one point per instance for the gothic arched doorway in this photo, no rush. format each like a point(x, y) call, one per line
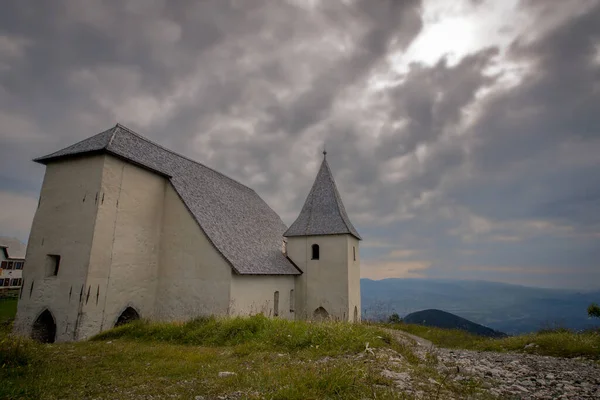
point(129, 315)
point(44, 328)
point(320, 314)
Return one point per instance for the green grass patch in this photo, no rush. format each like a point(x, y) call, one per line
point(558, 343)
point(16, 352)
point(8, 309)
point(256, 333)
point(142, 369)
point(269, 358)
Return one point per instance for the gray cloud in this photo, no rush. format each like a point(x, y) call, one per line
point(425, 162)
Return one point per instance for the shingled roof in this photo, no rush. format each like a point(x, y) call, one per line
point(241, 226)
point(323, 212)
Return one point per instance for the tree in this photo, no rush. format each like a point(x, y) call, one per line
point(394, 319)
point(594, 310)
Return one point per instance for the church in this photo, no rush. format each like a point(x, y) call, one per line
point(128, 229)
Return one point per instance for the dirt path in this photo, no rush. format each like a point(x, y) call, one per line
point(511, 375)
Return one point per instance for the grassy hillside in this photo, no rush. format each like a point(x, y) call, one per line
point(253, 358)
point(558, 343)
point(269, 358)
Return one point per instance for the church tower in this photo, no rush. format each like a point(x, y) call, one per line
point(323, 243)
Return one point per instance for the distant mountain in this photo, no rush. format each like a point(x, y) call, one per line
point(507, 308)
point(446, 320)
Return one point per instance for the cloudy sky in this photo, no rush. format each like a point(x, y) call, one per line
point(464, 135)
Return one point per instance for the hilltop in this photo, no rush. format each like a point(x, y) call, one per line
point(443, 319)
point(258, 357)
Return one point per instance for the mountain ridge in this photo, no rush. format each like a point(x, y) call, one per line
point(442, 319)
point(504, 307)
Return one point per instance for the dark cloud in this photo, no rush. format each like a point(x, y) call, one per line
point(424, 158)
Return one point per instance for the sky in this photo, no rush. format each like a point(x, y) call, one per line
point(464, 136)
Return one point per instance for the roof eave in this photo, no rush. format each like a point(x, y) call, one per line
point(48, 159)
point(322, 234)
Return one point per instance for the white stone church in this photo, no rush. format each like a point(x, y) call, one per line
point(128, 229)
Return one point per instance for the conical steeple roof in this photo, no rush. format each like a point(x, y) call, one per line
point(323, 212)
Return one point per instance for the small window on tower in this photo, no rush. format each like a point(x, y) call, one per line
point(315, 252)
point(52, 264)
point(354, 252)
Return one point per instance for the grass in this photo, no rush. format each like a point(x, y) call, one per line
point(270, 358)
point(558, 343)
point(257, 333)
point(8, 309)
point(126, 369)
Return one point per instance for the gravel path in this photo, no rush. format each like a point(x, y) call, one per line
point(514, 375)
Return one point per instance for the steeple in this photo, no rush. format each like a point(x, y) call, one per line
point(323, 212)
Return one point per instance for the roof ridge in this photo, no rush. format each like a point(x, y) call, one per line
point(75, 144)
point(178, 155)
point(338, 199)
point(113, 134)
point(341, 207)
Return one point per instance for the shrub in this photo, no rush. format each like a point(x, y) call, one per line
point(394, 319)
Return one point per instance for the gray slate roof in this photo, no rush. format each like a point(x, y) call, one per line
point(241, 226)
point(323, 212)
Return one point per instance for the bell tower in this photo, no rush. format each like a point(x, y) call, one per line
point(323, 243)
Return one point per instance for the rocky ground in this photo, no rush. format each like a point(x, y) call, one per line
point(496, 375)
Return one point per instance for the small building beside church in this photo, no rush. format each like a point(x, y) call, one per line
point(128, 229)
point(12, 259)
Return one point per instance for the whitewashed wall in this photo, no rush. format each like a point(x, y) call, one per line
point(254, 294)
point(123, 268)
point(353, 279)
point(194, 278)
point(63, 225)
point(325, 282)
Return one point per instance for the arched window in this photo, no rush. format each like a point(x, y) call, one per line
point(315, 252)
point(128, 315)
point(276, 304)
point(320, 314)
point(292, 300)
point(44, 328)
point(355, 314)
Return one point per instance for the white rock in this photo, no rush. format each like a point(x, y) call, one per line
point(225, 374)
